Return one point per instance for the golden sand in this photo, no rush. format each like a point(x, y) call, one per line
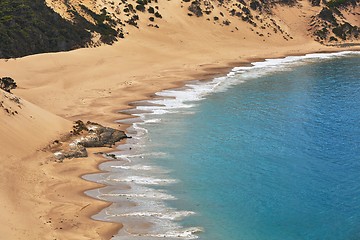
point(42, 199)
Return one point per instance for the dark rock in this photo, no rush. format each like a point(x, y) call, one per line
point(79, 127)
point(110, 155)
point(85, 136)
point(100, 136)
point(77, 151)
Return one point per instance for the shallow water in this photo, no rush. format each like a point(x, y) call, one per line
point(270, 152)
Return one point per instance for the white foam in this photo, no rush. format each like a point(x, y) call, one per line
point(281, 63)
point(187, 233)
point(173, 100)
point(174, 234)
point(144, 180)
point(124, 158)
point(155, 120)
point(134, 167)
point(143, 155)
point(175, 215)
point(155, 195)
point(139, 130)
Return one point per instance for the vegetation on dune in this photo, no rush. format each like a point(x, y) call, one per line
point(341, 3)
point(104, 24)
point(30, 27)
point(331, 25)
point(326, 26)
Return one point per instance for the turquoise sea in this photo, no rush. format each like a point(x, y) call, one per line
point(269, 152)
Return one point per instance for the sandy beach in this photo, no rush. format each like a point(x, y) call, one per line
point(43, 199)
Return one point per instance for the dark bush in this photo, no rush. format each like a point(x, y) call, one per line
point(255, 5)
point(151, 10)
point(315, 2)
point(346, 30)
point(140, 8)
point(158, 15)
point(195, 8)
point(327, 15)
point(7, 84)
point(30, 27)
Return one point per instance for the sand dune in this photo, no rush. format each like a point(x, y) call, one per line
point(25, 127)
point(41, 199)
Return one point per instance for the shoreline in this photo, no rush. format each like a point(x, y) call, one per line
point(127, 123)
point(214, 72)
point(103, 107)
point(155, 136)
point(131, 105)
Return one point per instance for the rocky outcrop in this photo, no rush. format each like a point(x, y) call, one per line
point(86, 135)
point(100, 136)
point(74, 151)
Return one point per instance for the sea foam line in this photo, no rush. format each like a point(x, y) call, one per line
point(150, 195)
point(174, 215)
point(143, 180)
point(172, 101)
point(175, 100)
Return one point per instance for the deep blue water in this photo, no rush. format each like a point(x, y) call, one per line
point(273, 158)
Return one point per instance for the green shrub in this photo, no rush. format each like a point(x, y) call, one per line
point(29, 27)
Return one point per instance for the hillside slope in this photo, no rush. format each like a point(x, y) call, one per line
point(39, 198)
point(328, 21)
point(25, 130)
point(29, 27)
point(24, 124)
